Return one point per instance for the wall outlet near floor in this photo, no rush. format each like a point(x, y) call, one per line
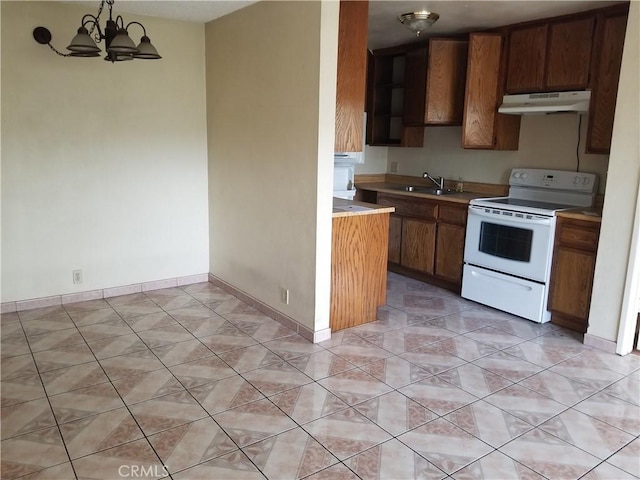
point(77, 276)
point(285, 296)
point(394, 167)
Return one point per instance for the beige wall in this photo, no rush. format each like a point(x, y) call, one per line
point(271, 114)
point(545, 142)
point(620, 201)
point(375, 160)
point(104, 166)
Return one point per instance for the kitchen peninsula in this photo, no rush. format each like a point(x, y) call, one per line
point(360, 240)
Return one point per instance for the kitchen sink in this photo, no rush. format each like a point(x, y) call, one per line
point(422, 189)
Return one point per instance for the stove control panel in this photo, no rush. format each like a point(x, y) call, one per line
point(554, 179)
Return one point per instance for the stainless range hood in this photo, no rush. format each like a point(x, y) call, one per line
point(545, 103)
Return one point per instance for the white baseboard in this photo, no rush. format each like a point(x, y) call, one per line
point(608, 346)
point(30, 304)
point(278, 316)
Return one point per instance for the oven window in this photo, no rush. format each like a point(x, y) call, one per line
point(506, 242)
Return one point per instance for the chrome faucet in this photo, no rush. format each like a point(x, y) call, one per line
point(439, 183)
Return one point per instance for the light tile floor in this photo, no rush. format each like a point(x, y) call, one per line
point(191, 383)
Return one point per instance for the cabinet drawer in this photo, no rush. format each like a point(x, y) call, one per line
point(584, 237)
point(455, 215)
point(410, 207)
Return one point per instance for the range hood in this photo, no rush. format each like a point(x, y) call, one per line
point(544, 103)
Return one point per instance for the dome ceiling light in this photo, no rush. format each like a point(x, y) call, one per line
point(418, 22)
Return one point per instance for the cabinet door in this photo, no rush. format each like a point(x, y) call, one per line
point(605, 83)
point(480, 106)
point(569, 54)
point(446, 77)
point(571, 283)
point(414, 86)
point(395, 238)
point(450, 252)
point(418, 244)
point(527, 48)
point(352, 75)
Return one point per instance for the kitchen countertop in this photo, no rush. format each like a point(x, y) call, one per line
point(392, 188)
point(350, 208)
point(586, 214)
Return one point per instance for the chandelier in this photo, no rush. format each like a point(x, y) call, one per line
point(118, 45)
point(418, 21)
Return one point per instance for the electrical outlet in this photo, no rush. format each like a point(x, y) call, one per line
point(77, 276)
point(394, 167)
point(285, 296)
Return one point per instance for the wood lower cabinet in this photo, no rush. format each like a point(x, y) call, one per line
point(395, 238)
point(418, 244)
point(452, 222)
point(426, 238)
point(574, 260)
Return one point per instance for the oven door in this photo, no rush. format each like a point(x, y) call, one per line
point(510, 242)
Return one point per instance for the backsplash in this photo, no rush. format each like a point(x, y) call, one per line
point(546, 141)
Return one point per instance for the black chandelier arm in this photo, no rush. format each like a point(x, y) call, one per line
point(119, 21)
point(95, 24)
point(144, 30)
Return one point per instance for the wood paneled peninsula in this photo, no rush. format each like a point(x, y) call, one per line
point(360, 241)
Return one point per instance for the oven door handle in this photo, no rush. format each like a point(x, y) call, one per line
point(479, 211)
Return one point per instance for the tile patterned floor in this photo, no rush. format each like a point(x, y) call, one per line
point(191, 383)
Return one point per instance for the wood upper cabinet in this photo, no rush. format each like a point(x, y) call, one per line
point(434, 83)
point(527, 47)
point(606, 74)
point(412, 86)
point(572, 270)
point(482, 126)
point(352, 75)
point(415, 86)
point(551, 56)
point(446, 76)
point(389, 77)
point(569, 54)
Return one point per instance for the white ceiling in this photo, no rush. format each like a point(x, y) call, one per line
point(462, 16)
point(384, 30)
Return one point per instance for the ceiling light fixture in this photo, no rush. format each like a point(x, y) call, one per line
point(118, 45)
point(418, 22)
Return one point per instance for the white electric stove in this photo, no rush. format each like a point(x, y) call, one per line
point(509, 240)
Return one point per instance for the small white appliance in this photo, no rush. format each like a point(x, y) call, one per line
point(343, 178)
point(344, 170)
point(509, 240)
point(545, 103)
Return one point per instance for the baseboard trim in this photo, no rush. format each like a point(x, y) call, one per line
point(287, 321)
point(54, 300)
point(608, 346)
